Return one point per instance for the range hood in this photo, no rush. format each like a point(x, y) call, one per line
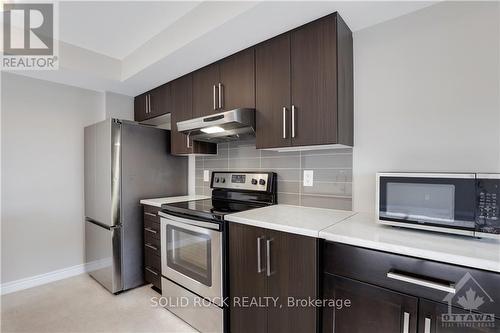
point(220, 127)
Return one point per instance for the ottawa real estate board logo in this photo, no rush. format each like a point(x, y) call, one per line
point(471, 297)
point(29, 36)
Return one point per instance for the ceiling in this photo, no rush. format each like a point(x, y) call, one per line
point(131, 47)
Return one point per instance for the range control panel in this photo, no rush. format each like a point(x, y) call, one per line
point(240, 181)
point(488, 210)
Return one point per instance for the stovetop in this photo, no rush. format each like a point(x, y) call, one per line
point(213, 209)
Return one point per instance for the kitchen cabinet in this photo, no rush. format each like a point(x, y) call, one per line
point(318, 110)
point(152, 103)
point(266, 263)
point(386, 289)
point(152, 254)
point(225, 85)
point(370, 308)
point(181, 92)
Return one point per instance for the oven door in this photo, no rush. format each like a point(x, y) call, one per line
point(191, 254)
point(437, 202)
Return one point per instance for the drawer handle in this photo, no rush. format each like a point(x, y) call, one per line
point(449, 288)
point(151, 271)
point(151, 246)
point(259, 259)
point(151, 230)
point(150, 214)
point(406, 322)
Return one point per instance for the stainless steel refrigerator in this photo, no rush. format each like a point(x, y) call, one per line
point(124, 163)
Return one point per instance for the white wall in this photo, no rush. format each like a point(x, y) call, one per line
point(42, 174)
point(427, 94)
point(119, 106)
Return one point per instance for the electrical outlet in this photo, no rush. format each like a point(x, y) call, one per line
point(206, 175)
point(308, 177)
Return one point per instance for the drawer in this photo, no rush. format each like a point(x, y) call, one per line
point(151, 213)
point(152, 229)
point(152, 276)
point(150, 240)
point(408, 273)
point(152, 259)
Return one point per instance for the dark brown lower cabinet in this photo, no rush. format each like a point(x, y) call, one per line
point(364, 308)
point(434, 318)
point(276, 270)
point(152, 249)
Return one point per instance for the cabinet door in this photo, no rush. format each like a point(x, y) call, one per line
point(237, 76)
point(272, 100)
point(140, 107)
point(247, 278)
point(159, 101)
point(371, 308)
point(292, 276)
point(205, 98)
point(431, 320)
point(314, 82)
point(181, 91)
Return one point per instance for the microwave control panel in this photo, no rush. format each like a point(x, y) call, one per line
point(488, 210)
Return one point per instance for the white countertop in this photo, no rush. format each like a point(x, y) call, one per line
point(362, 230)
point(304, 221)
point(157, 202)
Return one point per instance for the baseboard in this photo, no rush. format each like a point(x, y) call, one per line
point(37, 280)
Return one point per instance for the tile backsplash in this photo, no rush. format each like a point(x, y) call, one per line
point(332, 177)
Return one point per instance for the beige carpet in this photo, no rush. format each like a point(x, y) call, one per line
point(80, 304)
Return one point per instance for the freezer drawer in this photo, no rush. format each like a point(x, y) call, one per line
point(103, 255)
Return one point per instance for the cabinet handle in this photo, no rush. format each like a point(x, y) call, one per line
point(149, 103)
point(284, 122)
point(187, 141)
point(293, 121)
point(259, 255)
point(146, 104)
point(215, 97)
point(151, 271)
point(268, 257)
point(427, 325)
point(406, 322)
point(150, 214)
point(220, 95)
point(151, 247)
point(151, 230)
point(449, 288)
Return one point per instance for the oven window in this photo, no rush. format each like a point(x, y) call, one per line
point(422, 202)
point(189, 253)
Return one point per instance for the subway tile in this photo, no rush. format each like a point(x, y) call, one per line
point(198, 190)
point(241, 143)
point(199, 160)
point(215, 164)
point(327, 151)
point(244, 152)
point(222, 153)
point(286, 174)
point(198, 173)
point(244, 163)
point(331, 175)
point(327, 161)
point(199, 182)
point(272, 153)
point(288, 187)
point(326, 202)
point(288, 199)
point(343, 189)
point(290, 162)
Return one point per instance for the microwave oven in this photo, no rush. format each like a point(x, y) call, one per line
point(458, 203)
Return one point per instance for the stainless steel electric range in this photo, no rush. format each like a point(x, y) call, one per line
point(194, 243)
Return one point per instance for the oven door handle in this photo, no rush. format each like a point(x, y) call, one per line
point(197, 223)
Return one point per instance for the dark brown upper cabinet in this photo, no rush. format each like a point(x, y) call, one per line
point(181, 92)
point(152, 103)
point(319, 107)
point(237, 81)
point(267, 263)
point(225, 85)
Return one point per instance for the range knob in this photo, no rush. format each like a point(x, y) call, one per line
point(216, 179)
point(254, 181)
point(223, 180)
point(262, 182)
